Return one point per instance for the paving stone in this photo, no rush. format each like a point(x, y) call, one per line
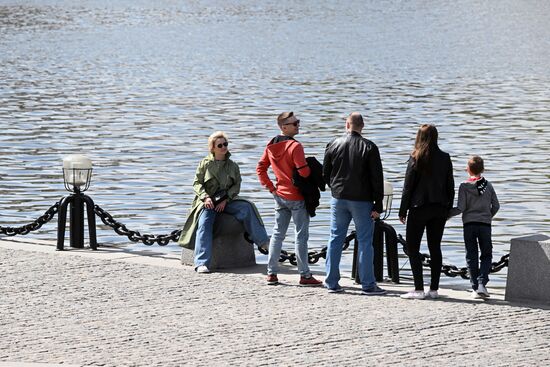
point(86, 309)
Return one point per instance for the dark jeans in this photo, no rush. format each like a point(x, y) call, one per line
point(478, 234)
point(432, 218)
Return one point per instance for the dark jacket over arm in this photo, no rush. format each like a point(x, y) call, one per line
point(311, 185)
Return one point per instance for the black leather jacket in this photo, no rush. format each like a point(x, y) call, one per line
point(353, 170)
point(434, 187)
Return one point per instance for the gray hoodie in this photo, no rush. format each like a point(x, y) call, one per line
point(477, 201)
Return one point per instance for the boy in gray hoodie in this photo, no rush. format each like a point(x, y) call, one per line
point(478, 203)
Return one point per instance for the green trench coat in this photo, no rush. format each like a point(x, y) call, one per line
point(211, 176)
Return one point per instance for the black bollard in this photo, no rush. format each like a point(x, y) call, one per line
point(76, 221)
point(391, 251)
point(378, 258)
point(382, 231)
point(62, 221)
point(378, 246)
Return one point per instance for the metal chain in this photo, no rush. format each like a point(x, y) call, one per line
point(314, 256)
point(452, 270)
point(163, 240)
point(147, 239)
point(36, 224)
point(135, 236)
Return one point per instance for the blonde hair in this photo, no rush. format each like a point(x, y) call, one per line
point(212, 139)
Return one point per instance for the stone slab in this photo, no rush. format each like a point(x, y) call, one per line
point(229, 247)
point(529, 269)
point(62, 307)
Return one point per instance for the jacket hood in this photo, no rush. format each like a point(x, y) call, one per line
point(477, 186)
point(278, 146)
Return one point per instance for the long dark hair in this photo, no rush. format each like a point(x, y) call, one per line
point(424, 146)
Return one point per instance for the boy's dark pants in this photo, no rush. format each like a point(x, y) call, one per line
point(474, 234)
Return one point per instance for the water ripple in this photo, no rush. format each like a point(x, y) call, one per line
point(138, 87)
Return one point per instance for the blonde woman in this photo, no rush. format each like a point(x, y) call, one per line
point(217, 184)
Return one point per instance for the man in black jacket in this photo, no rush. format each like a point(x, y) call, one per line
point(353, 170)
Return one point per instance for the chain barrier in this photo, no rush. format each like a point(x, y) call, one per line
point(447, 269)
point(452, 270)
point(36, 224)
point(163, 240)
point(313, 256)
point(135, 236)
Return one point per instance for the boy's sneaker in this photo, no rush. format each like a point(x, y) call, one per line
point(432, 294)
point(374, 291)
point(482, 291)
point(414, 295)
point(202, 269)
point(475, 295)
point(272, 279)
point(309, 281)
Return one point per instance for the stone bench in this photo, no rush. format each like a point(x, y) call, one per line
point(529, 269)
point(229, 247)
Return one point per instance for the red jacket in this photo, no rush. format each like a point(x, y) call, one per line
point(283, 154)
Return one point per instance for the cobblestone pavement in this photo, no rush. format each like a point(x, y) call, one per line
point(110, 308)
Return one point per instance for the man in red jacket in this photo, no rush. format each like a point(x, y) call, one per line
point(285, 154)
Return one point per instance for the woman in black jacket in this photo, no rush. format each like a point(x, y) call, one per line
point(428, 195)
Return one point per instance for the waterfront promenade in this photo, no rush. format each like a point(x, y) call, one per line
point(114, 308)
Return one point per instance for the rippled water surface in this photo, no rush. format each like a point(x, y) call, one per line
point(139, 85)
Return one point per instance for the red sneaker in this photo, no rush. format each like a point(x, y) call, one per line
point(272, 279)
point(311, 281)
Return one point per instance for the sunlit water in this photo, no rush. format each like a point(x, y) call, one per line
point(138, 86)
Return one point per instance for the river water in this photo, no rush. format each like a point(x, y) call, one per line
point(139, 85)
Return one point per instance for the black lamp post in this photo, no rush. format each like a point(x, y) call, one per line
point(77, 174)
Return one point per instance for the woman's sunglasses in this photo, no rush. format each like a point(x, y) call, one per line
point(223, 145)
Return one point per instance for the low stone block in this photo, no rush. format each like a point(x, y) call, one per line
point(529, 269)
point(229, 247)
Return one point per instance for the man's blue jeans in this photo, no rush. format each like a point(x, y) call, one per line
point(341, 213)
point(243, 212)
point(478, 234)
point(284, 211)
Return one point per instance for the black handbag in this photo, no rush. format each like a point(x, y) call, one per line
point(219, 196)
